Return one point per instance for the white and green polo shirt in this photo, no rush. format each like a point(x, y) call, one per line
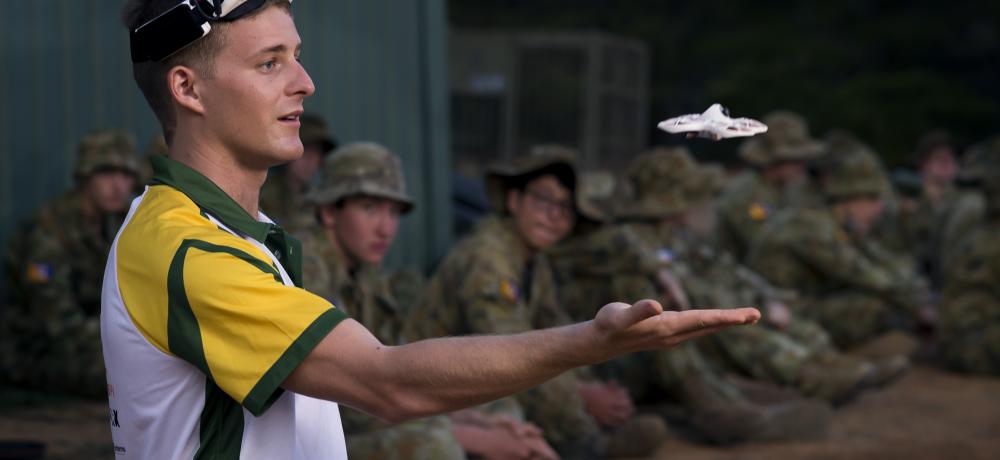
point(202, 318)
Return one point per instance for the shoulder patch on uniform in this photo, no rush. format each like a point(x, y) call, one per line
point(508, 290)
point(38, 273)
point(759, 211)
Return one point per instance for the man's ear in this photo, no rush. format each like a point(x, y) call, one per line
point(513, 200)
point(327, 214)
point(184, 88)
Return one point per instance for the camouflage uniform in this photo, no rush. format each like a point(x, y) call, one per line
point(283, 201)
point(364, 293)
point(848, 283)
point(749, 201)
point(485, 285)
point(56, 263)
point(630, 261)
point(968, 209)
point(969, 328)
point(668, 179)
point(490, 284)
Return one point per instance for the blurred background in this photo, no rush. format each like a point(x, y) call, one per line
point(453, 85)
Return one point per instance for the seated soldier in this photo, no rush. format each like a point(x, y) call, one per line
point(778, 180)
point(52, 337)
point(359, 200)
point(627, 260)
point(969, 329)
point(497, 280)
point(969, 206)
point(847, 282)
point(792, 351)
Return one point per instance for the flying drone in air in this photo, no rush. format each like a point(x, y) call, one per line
point(713, 123)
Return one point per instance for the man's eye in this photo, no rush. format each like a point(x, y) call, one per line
point(269, 65)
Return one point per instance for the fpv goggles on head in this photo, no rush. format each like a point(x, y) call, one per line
point(183, 24)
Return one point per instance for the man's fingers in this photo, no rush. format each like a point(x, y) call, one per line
point(692, 320)
point(641, 310)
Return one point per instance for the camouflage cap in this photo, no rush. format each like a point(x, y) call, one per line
point(665, 181)
point(106, 149)
point(787, 139)
point(854, 170)
point(361, 169)
point(313, 131)
point(500, 177)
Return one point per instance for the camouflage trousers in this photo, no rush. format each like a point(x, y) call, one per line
point(423, 439)
point(659, 376)
point(771, 355)
point(969, 334)
point(72, 363)
point(851, 318)
point(558, 409)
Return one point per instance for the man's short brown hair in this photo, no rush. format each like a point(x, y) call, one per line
point(200, 56)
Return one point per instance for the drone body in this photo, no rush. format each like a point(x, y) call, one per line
point(714, 123)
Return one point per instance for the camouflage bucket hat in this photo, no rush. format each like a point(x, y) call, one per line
point(361, 169)
point(502, 176)
point(106, 149)
point(313, 131)
point(855, 170)
point(787, 139)
point(654, 184)
point(707, 181)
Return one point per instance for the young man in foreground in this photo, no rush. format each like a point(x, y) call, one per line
point(203, 322)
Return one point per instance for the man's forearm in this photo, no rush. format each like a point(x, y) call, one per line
point(445, 374)
point(439, 375)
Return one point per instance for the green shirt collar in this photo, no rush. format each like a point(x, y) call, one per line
point(208, 196)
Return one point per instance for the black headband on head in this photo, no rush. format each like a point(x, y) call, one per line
point(182, 25)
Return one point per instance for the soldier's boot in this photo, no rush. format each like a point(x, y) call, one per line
point(835, 377)
point(890, 344)
point(640, 436)
point(720, 412)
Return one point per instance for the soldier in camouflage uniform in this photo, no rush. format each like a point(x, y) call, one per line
point(358, 202)
point(791, 350)
point(283, 194)
point(56, 261)
point(968, 209)
point(850, 284)
point(778, 180)
point(969, 328)
point(921, 229)
point(498, 280)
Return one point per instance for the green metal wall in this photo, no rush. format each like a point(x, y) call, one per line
point(378, 65)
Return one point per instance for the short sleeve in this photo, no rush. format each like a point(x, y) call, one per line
point(231, 316)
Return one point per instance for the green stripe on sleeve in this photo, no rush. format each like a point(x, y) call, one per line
point(267, 389)
point(183, 332)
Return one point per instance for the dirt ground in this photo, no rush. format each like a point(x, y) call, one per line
point(927, 414)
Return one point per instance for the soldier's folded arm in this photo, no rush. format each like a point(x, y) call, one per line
point(397, 383)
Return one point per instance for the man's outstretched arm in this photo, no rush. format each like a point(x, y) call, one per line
point(396, 383)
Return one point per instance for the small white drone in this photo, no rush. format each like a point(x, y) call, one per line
point(713, 123)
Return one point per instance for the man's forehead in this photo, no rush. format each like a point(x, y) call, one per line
point(273, 30)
